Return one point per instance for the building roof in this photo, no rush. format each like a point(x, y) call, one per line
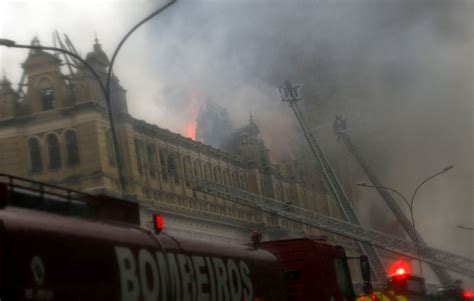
point(97, 56)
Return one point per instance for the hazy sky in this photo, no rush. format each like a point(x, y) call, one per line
point(401, 71)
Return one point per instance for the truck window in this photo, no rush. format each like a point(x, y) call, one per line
point(343, 278)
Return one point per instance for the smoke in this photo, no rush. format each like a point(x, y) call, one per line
point(400, 71)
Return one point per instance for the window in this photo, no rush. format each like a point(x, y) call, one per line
point(217, 174)
point(164, 168)
point(72, 151)
point(244, 182)
point(235, 180)
point(54, 152)
point(196, 168)
point(279, 193)
point(47, 99)
point(226, 177)
point(172, 167)
point(110, 148)
point(150, 151)
point(187, 170)
point(138, 155)
point(343, 278)
point(207, 172)
point(35, 155)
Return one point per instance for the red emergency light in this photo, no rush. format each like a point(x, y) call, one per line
point(467, 294)
point(399, 268)
point(158, 223)
point(400, 271)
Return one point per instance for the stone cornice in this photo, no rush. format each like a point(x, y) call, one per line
point(174, 138)
point(53, 114)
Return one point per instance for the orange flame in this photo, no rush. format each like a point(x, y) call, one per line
point(189, 129)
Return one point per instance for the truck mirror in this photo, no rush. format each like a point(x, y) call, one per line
point(365, 268)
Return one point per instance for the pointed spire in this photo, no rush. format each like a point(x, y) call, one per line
point(4, 80)
point(98, 56)
point(97, 45)
point(252, 127)
point(251, 120)
point(5, 84)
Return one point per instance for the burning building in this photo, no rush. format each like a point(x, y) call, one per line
point(58, 131)
point(213, 125)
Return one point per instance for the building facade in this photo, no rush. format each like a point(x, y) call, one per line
point(58, 132)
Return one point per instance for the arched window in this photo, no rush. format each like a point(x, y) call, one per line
point(235, 180)
point(188, 174)
point(280, 193)
point(72, 150)
point(217, 174)
point(243, 183)
point(151, 154)
point(35, 155)
point(187, 167)
point(163, 167)
point(171, 165)
point(226, 177)
point(197, 169)
point(207, 172)
point(54, 152)
point(138, 155)
point(110, 147)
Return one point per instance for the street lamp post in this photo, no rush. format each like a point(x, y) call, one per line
point(410, 204)
point(104, 88)
point(465, 228)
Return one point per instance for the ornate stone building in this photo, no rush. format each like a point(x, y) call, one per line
point(59, 132)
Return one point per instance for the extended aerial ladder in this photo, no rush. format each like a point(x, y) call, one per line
point(368, 237)
point(341, 132)
point(290, 94)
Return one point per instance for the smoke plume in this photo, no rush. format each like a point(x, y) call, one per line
point(400, 71)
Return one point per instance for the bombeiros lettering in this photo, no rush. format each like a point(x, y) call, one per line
point(146, 275)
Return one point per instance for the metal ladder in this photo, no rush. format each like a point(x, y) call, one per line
point(441, 273)
point(367, 237)
point(291, 96)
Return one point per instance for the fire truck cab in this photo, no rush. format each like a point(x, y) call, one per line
point(314, 270)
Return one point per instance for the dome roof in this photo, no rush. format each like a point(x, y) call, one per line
point(251, 128)
point(98, 56)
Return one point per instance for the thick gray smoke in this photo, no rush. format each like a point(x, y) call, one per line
point(400, 71)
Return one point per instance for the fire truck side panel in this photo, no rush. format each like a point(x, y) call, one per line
point(309, 269)
point(65, 258)
point(5, 266)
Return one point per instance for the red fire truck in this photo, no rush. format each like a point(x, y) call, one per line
point(59, 244)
